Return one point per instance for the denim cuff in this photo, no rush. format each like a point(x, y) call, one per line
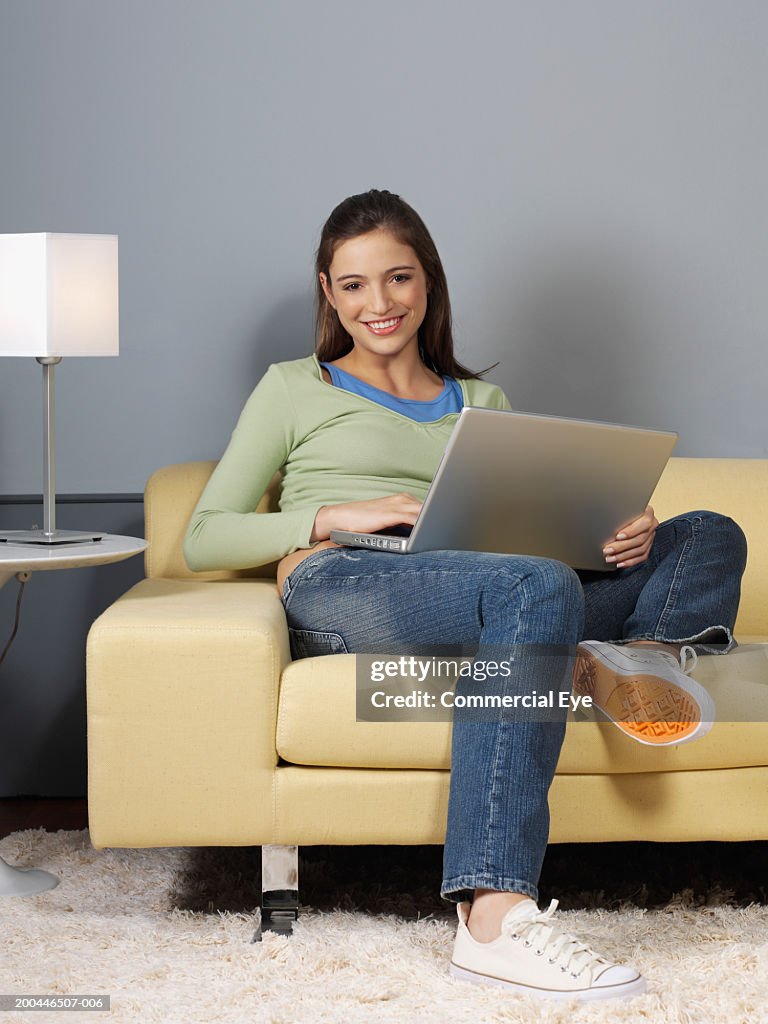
point(461, 889)
point(695, 641)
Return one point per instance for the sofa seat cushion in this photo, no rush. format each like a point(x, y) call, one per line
point(316, 725)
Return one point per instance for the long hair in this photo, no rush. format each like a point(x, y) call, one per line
point(370, 211)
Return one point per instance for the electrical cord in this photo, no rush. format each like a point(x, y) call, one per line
point(22, 577)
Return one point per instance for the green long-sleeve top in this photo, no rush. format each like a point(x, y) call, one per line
point(332, 446)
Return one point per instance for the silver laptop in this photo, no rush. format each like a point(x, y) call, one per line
point(522, 483)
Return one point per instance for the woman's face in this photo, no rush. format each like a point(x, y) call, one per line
point(379, 290)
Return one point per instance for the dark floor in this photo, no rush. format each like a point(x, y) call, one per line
point(19, 813)
point(580, 875)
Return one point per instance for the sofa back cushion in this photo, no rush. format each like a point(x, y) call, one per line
point(169, 501)
point(735, 487)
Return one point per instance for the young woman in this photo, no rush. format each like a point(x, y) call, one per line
point(358, 430)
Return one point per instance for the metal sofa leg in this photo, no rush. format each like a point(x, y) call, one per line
point(279, 890)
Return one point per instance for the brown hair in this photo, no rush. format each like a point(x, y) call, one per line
point(370, 211)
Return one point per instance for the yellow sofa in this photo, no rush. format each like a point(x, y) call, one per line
point(202, 732)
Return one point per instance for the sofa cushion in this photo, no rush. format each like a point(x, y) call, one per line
point(316, 725)
point(170, 498)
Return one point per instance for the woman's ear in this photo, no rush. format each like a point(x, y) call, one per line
point(327, 289)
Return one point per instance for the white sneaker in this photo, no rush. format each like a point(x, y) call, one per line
point(644, 691)
point(534, 957)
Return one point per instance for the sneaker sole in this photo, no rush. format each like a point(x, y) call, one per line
point(628, 990)
point(649, 708)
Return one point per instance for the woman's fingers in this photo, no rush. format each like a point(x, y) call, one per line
point(633, 542)
point(631, 552)
point(633, 557)
point(617, 552)
point(407, 506)
point(636, 527)
point(366, 516)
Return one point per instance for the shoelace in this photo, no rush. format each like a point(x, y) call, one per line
point(545, 936)
point(687, 654)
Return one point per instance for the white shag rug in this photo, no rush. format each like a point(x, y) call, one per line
point(119, 923)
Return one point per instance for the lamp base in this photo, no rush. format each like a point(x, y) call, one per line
point(23, 881)
point(57, 537)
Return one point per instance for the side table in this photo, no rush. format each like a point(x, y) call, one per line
point(18, 559)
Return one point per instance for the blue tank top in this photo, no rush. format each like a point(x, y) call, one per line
point(450, 399)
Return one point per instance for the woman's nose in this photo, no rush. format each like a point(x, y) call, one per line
point(380, 301)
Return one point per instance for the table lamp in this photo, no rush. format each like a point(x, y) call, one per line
point(58, 297)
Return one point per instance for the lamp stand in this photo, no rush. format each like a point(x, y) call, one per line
point(49, 534)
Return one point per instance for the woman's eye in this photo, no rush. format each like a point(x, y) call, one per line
point(397, 278)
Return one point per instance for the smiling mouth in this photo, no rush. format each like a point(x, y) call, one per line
point(384, 326)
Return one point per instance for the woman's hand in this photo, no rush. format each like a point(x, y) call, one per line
point(633, 541)
point(366, 516)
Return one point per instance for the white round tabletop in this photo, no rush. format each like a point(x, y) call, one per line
point(39, 557)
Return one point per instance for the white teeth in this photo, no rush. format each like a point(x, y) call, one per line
point(380, 325)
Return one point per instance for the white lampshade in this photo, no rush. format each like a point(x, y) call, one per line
point(58, 295)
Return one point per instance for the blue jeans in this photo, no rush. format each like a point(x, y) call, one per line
point(352, 600)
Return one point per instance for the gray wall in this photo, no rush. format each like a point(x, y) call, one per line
point(593, 174)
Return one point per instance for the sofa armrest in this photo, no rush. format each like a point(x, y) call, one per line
point(182, 688)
